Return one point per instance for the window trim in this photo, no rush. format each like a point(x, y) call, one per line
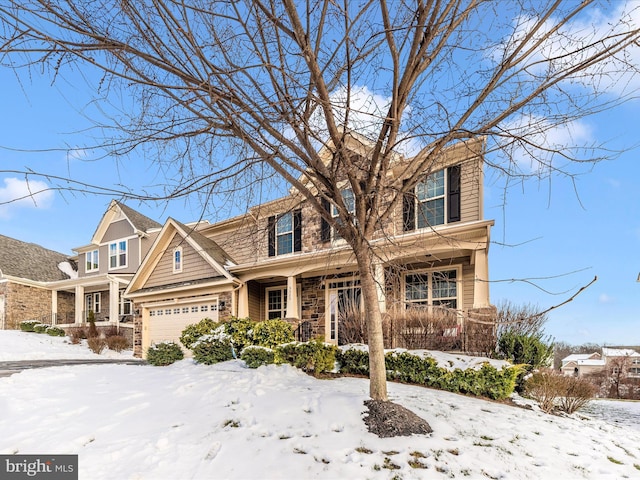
point(430, 271)
point(90, 260)
point(295, 232)
point(93, 296)
point(280, 235)
point(179, 264)
point(283, 290)
point(118, 254)
point(334, 235)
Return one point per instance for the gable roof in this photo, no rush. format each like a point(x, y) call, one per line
point(118, 210)
point(208, 249)
point(30, 261)
point(619, 352)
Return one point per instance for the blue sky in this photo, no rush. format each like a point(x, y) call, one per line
point(551, 236)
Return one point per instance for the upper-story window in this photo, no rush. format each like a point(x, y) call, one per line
point(177, 260)
point(118, 254)
point(91, 264)
point(435, 200)
point(285, 233)
point(350, 202)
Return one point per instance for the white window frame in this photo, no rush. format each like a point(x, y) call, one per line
point(92, 261)
point(431, 198)
point(283, 298)
point(123, 303)
point(429, 301)
point(284, 234)
point(91, 300)
point(116, 252)
point(351, 207)
point(178, 265)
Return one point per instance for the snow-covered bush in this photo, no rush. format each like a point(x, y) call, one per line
point(214, 348)
point(241, 332)
point(28, 325)
point(272, 333)
point(255, 356)
point(313, 356)
point(164, 353)
point(55, 331)
point(40, 327)
point(193, 332)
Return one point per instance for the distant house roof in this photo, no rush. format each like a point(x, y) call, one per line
point(31, 262)
point(581, 357)
point(139, 221)
point(619, 352)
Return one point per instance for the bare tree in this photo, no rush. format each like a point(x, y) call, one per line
point(228, 88)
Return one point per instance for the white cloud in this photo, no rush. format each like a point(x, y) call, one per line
point(532, 141)
point(604, 298)
point(578, 40)
point(18, 193)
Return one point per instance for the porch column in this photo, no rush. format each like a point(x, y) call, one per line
point(292, 298)
point(54, 307)
point(481, 279)
point(243, 301)
point(378, 274)
point(114, 301)
point(79, 304)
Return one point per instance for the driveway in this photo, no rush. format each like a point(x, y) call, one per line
point(9, 368)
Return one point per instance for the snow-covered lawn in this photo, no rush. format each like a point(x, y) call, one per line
point(190, 421)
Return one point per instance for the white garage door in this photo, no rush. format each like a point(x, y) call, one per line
point(167, 322)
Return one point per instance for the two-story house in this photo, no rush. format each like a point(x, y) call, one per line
point(282, 260)
point(105, 267)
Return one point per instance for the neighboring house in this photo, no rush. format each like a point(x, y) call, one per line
point(105, 267)
point(281, 260)
point(26, 270)
point(612, 361)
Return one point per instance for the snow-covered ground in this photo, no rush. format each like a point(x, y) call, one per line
point(225, 421)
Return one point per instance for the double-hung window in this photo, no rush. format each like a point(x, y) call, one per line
point(350, 202)
point(118, 254)
point(276, 303)
point(91, 264)
point(285, 233)
point(435, 200)
point(432, 289)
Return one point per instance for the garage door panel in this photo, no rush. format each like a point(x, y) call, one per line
point(167, 323)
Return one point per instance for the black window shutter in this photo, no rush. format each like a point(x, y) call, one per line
point(409, 211)
point(272, 236)
point(297, 230)
point(325, 228)
point(453, 194)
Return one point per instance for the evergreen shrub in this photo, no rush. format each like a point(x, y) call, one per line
point(193, 332)
point(40, 327)
point(164, 353)
point(255, 356)
point(272, 333)
point(214, 348)
point(28, 325)
point(313, 356)
point(55, 332)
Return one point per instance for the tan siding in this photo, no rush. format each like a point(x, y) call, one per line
point(468, 277)
point(470, 190)
point(194, 266)
point(244, 243)
point(255, 293)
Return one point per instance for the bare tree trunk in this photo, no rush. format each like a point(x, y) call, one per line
point(377, 368)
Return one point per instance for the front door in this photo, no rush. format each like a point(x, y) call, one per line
point(345, 307)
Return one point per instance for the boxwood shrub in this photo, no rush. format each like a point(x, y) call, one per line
point(255, 356)
point(55, 331)
point(28, 325)
point(193, 332)
point(313, 356)
point(488, 381)
point(214, 348)
point(272, 333)
point(164, 353)
point(40, 327)
point(241, 331)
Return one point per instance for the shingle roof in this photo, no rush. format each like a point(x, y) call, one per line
point(139, 221)
point(209, 246)
point(30, 261)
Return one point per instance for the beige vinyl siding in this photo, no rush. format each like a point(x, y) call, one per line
point(243, 243)
point(194, 266)
point(117, 230)
point(468, 278)
point(255, 293)
point(470, 186)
